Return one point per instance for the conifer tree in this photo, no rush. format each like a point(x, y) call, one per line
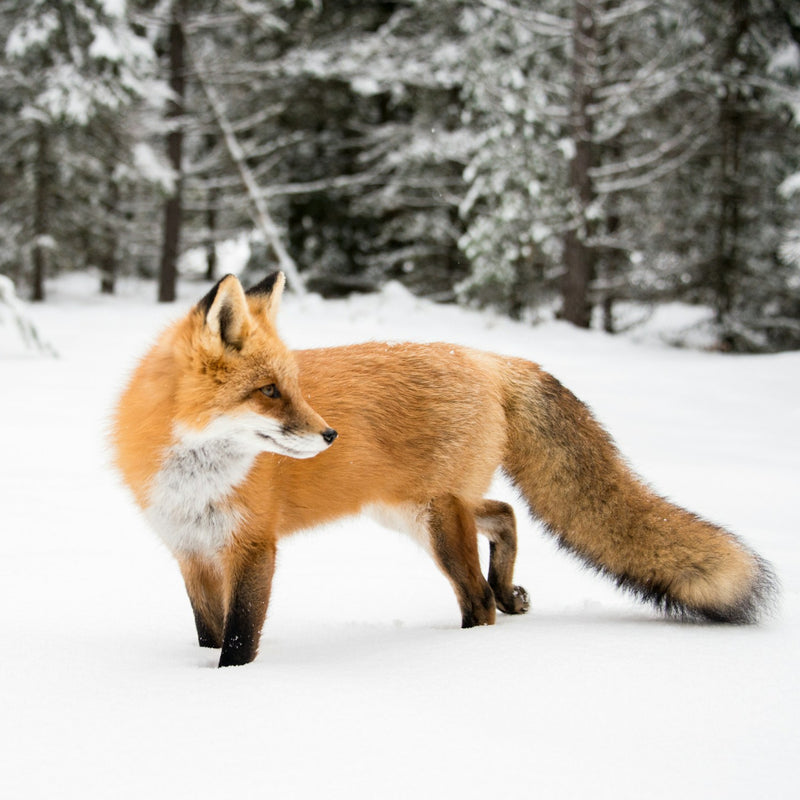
point(71, 69)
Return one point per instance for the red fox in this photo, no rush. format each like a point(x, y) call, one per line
point(229, 442)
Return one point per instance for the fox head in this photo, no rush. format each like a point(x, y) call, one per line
point(239, 382)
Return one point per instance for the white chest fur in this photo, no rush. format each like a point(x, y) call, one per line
point(190, 499)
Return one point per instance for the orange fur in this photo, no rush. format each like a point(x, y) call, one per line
point(422, 429)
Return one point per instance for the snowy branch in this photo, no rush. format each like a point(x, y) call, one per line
point(536, 21)
point(611, 16)
point(27, 330)
point(690, 131)
point(261, 215)
point(255, 14)
point(659, 171)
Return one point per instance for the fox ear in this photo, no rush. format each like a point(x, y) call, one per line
point(225, 310)
point(269, 293)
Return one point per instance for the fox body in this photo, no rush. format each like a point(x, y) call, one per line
point(230, 442)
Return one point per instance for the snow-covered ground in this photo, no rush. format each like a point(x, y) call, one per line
point(365, 686)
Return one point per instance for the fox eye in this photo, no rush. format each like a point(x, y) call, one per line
point(270, 390)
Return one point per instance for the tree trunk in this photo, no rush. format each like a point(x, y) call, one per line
point(727, 255)
point(211, 246)
point(108, 263)
point(173, 206)
point(212, 197)
point(579, 258)
point(40, 228)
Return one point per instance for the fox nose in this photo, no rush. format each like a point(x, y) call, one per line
point(329, 434)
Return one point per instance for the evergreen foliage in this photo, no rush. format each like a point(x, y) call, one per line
point(71, 72)
point(561, 157)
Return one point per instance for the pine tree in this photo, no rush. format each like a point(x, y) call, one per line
point(71, 70)
point(581, 123)
point(517, 206)
point(372, 90)
point(721, 218)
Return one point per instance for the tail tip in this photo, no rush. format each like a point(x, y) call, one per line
point(758, 602)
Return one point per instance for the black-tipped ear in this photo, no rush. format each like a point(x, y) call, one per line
point(264, 287)
point(204, 305)
point(227, 318)
point(268, 294)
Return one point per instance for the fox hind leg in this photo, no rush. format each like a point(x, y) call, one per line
point(454, 544)
point(205, 587)
point(496, 521)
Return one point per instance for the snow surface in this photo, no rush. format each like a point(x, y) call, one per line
point(365, 686)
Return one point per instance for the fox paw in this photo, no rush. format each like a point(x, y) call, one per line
point(515, 602)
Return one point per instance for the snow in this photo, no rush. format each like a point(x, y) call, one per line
point(114, 8)
point(30, 34)
point(790, 185)
point(365, 86)
point(234, 253)
point(153, 168)
point(18, 333)
point(365, 686)
point(105, 45)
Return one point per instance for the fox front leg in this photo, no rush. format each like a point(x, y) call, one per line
point(205, 587)
point(251, 581)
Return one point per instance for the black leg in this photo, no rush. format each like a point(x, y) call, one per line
point(247, 609)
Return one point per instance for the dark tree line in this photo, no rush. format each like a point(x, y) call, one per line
point(563, 157)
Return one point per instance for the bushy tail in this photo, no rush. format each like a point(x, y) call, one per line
point(575, 481)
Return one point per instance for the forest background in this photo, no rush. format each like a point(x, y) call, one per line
point(566, 158)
